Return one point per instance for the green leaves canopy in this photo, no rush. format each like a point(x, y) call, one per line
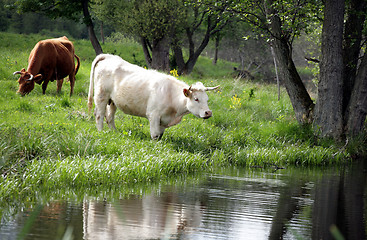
point(144, 18)
point(69, 9)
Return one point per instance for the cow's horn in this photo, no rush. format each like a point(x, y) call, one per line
point(211, 88)
point(17, 72)
point(30, 77)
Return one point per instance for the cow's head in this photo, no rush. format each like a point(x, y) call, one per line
point(26, 81)
point(197, 102)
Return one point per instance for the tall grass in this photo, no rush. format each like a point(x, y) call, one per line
point(50, 142)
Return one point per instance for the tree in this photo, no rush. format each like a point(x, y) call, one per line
point(69, 9)
point(281, 39)
point(356, 111)
point(355, 75)
point(161, 25)
point(282, 22)
point(342, 95)
point(341, 106)
point(329, 112)
point(150, 21)
point(213, 15)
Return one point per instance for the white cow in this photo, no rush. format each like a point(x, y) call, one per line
point(160, 98)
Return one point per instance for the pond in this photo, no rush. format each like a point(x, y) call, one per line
point(231, 203)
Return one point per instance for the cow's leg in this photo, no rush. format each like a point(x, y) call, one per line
point(59, 84)
point(110, 115)
point(46, 78)
point(156, 130)
point(72, 82)
point(100, 111)
point(44, 86)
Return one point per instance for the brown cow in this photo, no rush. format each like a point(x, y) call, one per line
point(50, 59)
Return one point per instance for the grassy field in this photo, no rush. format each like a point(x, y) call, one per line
point(50, 142)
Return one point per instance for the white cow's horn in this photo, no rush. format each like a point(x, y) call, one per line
point(211, 88)
point(30, 77)
point(17, 72)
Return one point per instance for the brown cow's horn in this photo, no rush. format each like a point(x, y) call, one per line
point(17, 72)
point(211, 88)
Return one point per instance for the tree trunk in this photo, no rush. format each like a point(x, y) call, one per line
point(276, 70)
point(357, 109)
point(215, 59)
point(300, 99)
point(194, 57)
point(92, 35)
point(328, 111)
point(147, 56)
point(179, 58)
point(160, 54)
point(102, 33)
point(351, 49)
point(188, 66)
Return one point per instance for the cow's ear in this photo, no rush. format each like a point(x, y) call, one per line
point(187, 92)
point(37, 78)
point(23, 70)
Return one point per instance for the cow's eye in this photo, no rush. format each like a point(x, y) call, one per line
point(196, 99)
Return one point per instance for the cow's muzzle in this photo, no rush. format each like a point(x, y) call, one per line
point(207, 114)
point(22, 93)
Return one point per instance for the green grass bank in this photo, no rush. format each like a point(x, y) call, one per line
point(50, 142)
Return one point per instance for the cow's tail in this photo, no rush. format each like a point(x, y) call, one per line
point(91, 83)
point(77, 63)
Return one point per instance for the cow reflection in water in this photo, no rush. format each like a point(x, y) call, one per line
point(147, 217)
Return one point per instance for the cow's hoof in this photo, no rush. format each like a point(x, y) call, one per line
point(157, 137)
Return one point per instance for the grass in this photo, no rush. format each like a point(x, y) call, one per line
point(49, 143)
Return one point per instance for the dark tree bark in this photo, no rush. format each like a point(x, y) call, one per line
point(300, 99)
point(160, 54)
point(357, 109)
point(145, 44)
point(195, 55)
point(92, 35)
point(102, 33)
point(188, 66)
point(351, 48)
point(156, 54)
point(180, 61)
point(215, 59)
point(328, 111)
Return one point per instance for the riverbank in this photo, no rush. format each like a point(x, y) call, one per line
point(49, 142)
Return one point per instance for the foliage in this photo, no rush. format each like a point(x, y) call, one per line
point(148, 19)
point(299, 16)
point(161, 25)
point(62, 8)
point(296, 16)
point(31, 22)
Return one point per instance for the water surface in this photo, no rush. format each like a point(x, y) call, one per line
point(231, 204)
